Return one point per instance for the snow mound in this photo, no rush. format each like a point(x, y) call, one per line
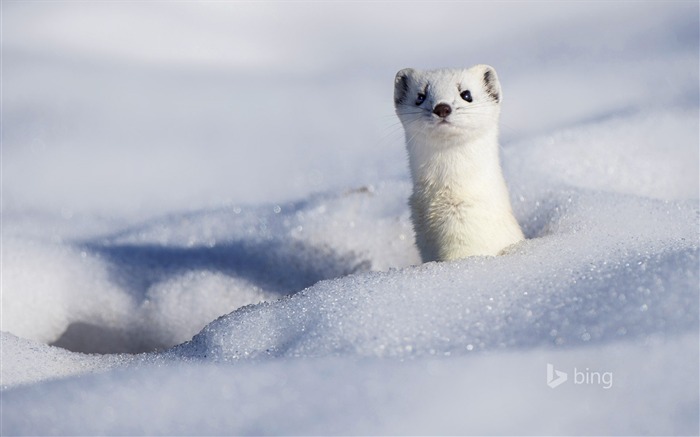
point(601, 268)
point(161, 282)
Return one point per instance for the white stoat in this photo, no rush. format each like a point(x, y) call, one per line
point(460, 205)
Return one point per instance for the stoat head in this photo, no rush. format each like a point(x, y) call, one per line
point(450, 103)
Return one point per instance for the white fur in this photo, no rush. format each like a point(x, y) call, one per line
point(460, 205)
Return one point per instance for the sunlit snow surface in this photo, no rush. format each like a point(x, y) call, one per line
point(223, 191)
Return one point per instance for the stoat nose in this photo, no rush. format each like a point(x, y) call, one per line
point(442, 110)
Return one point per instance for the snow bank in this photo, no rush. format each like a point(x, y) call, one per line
point(601, 268)
point(162, 282)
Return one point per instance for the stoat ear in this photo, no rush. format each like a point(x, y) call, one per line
point(401, 85)
point(491, 84)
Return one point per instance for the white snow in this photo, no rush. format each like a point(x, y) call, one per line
point(212, 196)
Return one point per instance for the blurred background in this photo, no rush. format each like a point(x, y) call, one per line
point(133, 109)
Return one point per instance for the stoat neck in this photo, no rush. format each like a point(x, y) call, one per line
point(469, 168)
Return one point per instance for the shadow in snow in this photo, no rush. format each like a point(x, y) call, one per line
point(276, 266)
point(282, 267)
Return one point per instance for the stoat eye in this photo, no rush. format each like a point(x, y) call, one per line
point(420, 99)
point(466, 95)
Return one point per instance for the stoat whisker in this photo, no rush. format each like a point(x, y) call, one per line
point(396, 127)
point(391, 129)
point(414, 107)
point(473, 106)
point(414, 113)
point(413, 137)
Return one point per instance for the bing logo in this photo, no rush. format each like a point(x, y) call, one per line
point(555, 377)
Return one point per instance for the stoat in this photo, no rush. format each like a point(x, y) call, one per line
point(459, 205)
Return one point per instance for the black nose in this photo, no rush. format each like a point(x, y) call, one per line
point(442, 110)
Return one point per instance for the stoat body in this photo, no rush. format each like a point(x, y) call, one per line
point(460, 205)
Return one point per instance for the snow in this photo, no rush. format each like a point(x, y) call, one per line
point(333, 395)
point(205, 228)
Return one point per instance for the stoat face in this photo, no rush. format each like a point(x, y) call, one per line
point(447, 104)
